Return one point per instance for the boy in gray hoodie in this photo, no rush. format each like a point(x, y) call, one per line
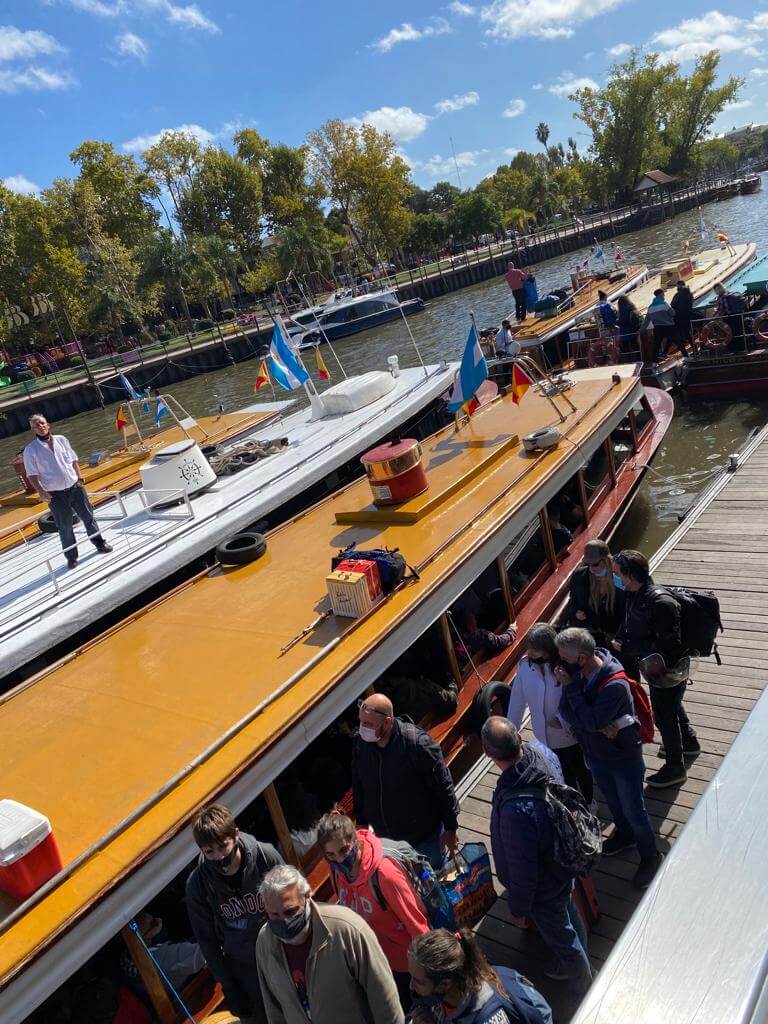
point(225, 909)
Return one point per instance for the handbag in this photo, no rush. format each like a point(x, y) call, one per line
point(467, 881)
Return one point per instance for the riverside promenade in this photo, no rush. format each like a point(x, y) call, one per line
point(722, 545)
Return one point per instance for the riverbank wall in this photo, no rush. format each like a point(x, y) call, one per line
point(160, 371)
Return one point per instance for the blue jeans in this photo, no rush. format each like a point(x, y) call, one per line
point(621, 783)
point(432, 849)
point(559, 923)
point(62, 505)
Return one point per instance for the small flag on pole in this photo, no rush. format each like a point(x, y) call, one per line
point(322, 369)
point(472, 372)
point(262, 378)
point(132, 392)
point(120, 419)
point(161, 410)
point(286, 367)
point(520, 383)
point(618, 255)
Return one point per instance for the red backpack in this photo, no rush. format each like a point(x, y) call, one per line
point(640, 701)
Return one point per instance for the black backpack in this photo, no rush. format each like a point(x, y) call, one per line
point(390, 562)
point(699, 620)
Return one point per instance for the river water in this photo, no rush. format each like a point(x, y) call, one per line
point(697, 443)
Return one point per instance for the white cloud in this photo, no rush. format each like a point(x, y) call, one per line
point(619, 49)
point(34, 78)
point(402, 123)
point(511, 152)
point(462, 9)
point(143, 142)
point(514, 108)
point(131, 45)
point(568, 84)
point(18, 45)
point(441, 167)
point(407, 33)
point(714, 30)
point(449, 106)
point(537, 86)
point(759, 72)
point(18, 183)
point(547, 19)
point(736, 105)
point(187, 15)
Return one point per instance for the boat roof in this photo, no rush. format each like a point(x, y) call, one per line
point(751, 280)
point(695, 948)
point(42, 606)
point(197, 697)
point(711, 266)
point(537, 329)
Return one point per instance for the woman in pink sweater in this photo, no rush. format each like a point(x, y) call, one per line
point(377, 888)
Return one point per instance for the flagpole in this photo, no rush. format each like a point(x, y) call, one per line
point(320, 326)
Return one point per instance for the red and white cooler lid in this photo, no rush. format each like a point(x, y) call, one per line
point(21, 830)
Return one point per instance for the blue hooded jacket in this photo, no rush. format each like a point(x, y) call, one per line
point(521, 836)
point(588, 711)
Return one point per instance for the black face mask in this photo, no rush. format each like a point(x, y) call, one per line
point(539, 661)
point(43, 437)
point(288, 929)
point(224, 862)
point(571, 667)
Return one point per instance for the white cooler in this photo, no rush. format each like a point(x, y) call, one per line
point(179, 467)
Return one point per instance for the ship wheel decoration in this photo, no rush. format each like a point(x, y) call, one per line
point(190, 471)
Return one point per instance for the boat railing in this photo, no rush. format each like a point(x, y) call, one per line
point(155, 504)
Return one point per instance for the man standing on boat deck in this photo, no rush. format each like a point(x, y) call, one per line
point(401, 785)
point(54, 471)
point(522, 841)
point(661, 317)
point(225, 909)
point(516, 280)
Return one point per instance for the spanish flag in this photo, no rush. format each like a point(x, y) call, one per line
point(120, 421)
point(262, 378)
point(322, 369)
point(520, 383)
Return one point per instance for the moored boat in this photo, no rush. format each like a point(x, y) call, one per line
point(237, 676)
point(347, 313)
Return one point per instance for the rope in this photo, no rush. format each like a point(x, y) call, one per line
point(460, 638)
point(187, 1013)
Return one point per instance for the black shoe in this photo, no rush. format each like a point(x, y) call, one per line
point(646, 871)
point(690, 749)
point(104, 548)
point(72, 562)
point(617, 844)
point(667, 775)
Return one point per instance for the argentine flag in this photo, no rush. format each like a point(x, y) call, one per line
point(284, 366)
point(162, 410)
point(472, 372)
point(132, 392)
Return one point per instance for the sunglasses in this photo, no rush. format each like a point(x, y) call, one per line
point(369, 710)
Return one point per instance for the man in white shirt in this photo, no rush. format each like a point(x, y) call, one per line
point(504, 342)
point(53, 468)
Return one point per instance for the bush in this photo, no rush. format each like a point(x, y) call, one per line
point(75, 360)
point(227, 314)
point(25, 375)
point(203, 325)
point(163, 334)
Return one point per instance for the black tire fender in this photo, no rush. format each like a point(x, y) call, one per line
point(209, 450)
point(241, 549)
point(483, 701)
point(46, 522)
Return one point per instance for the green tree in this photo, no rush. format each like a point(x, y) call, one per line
point(166, 260)
point(443, 197)
point(625, 115)
point(124, 190)
point(253, 148)
point(714, 156)
point(426, 231)
point(691, 105)
point(171, 163)
point(475, 214)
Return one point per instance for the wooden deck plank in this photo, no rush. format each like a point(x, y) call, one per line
point(720, 548)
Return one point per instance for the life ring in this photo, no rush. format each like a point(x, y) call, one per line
point(547, 437)
point(760, 327)
point(241, 549)
point(714, 334)
point(483, 701)
point(602, 347)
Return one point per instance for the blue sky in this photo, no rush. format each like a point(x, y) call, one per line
point(482, 74)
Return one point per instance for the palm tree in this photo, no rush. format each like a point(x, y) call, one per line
point(542, 134)
point(164, 258)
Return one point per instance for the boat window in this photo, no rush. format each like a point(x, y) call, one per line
point(479, 618)
point(525, 556)
point(621, 443)
point(566, 516)
point(368, 309)
point(596, 472)
point(421, 683)
point(642, 413)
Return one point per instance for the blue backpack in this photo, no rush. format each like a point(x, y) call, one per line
point(521, 1003)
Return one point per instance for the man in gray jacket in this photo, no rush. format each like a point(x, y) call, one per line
point(225, 909)
point(661, 317)
point(320, 963)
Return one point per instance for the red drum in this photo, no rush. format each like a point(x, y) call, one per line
point(395, 471)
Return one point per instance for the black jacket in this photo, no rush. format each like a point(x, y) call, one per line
point(651, 624)
point(404, 791)
point(682, 303)
point(226, 920)
point(601, 623)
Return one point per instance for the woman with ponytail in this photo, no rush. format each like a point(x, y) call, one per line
point(453, 983)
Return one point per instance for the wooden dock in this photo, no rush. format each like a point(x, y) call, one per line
point(722, 546)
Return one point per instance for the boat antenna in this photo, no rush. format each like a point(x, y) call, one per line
point(456, 162)
point(319, 325)
point(410, 334)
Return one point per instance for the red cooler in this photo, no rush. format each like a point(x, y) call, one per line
point(395, 472)
point(29, 855)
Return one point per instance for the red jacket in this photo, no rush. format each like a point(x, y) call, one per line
point(404, 917)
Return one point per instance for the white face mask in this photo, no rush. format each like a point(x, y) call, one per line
point(368, 734)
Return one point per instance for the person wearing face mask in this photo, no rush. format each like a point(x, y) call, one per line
point(453, 983)
point(596, 594)
point(376, 887)
point(224, 907)
point(597, 703)
point(401, 785)
point(536, 688)
point(320, 963)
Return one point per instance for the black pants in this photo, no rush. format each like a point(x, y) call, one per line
point(519, 295)
point(683, 332)
point(403, 983)
point(575, 771)
point(243, 993)
point(672, 721)
point(63, 504)
point(665, 335)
